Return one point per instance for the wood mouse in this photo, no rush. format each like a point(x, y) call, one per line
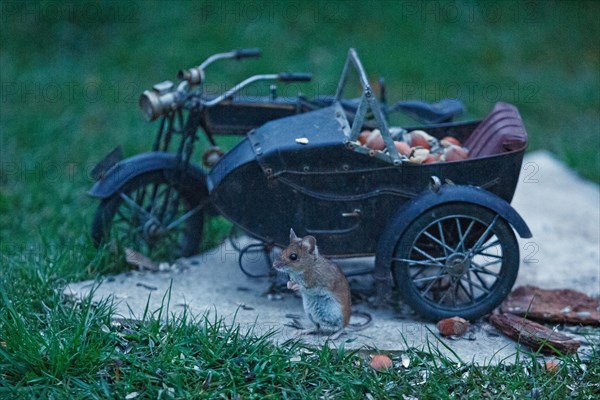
point(324, 288)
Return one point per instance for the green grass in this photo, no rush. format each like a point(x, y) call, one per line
point(53, 348)
point(70, 75)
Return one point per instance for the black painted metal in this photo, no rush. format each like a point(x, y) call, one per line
point(271, 182)
point(130, 168)
point(428, 199)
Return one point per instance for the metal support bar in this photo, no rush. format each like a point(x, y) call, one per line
point(368, 100)
point(359, 118)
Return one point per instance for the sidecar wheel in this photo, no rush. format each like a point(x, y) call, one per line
point(456, 259)
point(148, 214)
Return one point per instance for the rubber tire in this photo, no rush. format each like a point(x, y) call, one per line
point(501, 287)
point(192, 196)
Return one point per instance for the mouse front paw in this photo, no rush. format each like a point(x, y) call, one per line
point(293, 286)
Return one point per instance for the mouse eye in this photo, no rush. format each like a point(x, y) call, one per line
point(293, 256)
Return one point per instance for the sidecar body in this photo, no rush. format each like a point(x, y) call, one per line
point(445, 222)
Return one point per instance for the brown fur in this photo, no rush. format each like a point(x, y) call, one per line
point(316, 277)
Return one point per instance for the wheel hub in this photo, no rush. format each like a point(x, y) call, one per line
point(457, 264)
point(152, 230)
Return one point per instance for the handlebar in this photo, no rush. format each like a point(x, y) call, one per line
point(164, 97)
point(195, 75)
point(294, 77)
point(246, 53)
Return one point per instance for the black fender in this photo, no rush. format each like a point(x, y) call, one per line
point(427, 200)
point(130, 168)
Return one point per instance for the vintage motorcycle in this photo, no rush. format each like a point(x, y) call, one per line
point(441, 233)
point(166, 175)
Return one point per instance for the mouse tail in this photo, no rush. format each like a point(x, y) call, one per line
point(361, 325)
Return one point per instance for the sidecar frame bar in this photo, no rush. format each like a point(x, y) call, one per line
point(367, 100)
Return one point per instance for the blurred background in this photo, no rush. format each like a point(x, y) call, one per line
point(71, 74)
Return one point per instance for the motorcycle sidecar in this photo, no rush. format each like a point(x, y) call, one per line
point(442, 232)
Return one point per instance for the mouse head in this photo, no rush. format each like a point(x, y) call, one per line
point(301, 254)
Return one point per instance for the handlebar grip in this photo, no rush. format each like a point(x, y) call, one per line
point(246, 53)
point(294, 77)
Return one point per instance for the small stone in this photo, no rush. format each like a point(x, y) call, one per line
point(164, 266)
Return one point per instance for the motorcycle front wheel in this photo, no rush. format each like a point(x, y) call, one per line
point(158, 214)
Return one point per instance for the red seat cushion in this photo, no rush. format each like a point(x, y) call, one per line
point(501, 131)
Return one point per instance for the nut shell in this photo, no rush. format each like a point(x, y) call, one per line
point(418, 155)
point(455, 326)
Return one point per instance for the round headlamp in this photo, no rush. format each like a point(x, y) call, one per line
point(160, 100)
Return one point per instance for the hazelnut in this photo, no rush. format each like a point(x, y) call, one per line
point(380, 361)
point(362, 138)
point(375, 140)
point(417, 140)
point(552, 366)
point(431, 158)
point(423, 139)
point(447, 141)
point(455, 153)
point(403, 148)
point(454, 326)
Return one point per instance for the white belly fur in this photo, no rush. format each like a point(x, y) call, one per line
point(323, 309)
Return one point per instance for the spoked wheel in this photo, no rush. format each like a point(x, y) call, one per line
point(153, 214)
point(456, 259)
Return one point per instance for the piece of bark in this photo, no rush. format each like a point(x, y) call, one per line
point(534, 335)
point(561, 305)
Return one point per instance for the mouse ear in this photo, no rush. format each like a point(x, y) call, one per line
point(310, 244)
point(293, 235)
